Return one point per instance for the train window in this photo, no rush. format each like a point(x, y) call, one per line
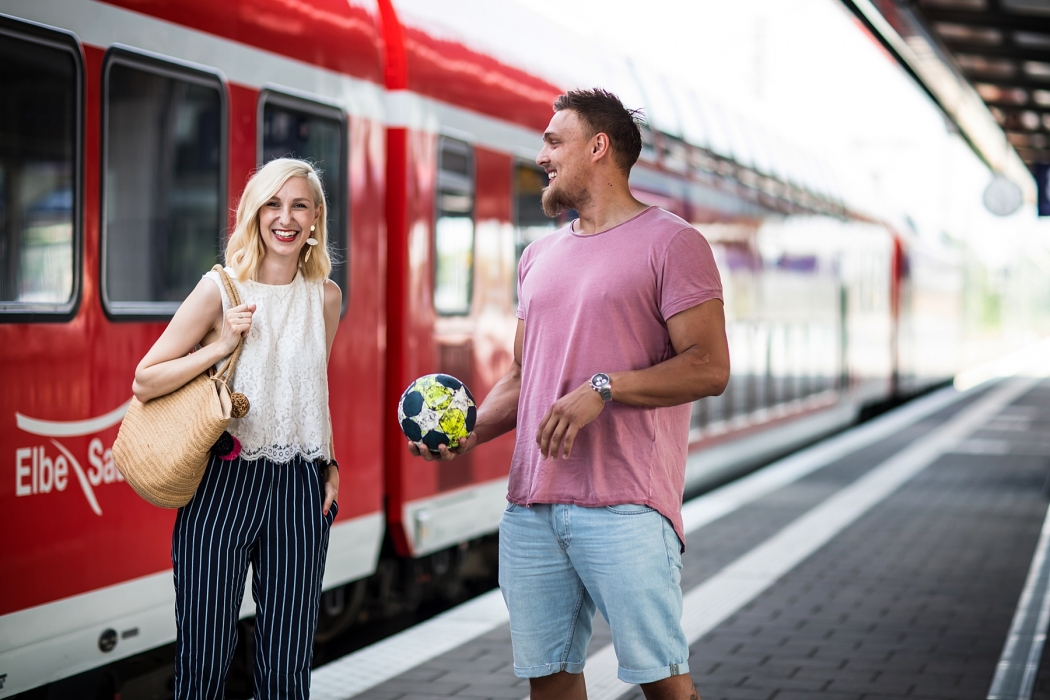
point(454, 230)
point(39, 172)
point(301, 128)
point(164, 182)
point(530, 223)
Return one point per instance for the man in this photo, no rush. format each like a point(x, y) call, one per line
point(620, 328)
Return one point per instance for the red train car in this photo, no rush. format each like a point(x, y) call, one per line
point(136, 127)
point(132, 128)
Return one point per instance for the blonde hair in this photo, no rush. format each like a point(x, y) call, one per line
point(246, 248)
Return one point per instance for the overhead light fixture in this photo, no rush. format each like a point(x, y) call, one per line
point(1002, 197)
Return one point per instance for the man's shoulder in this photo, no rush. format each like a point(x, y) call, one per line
point(668, 223)
point(663, 230)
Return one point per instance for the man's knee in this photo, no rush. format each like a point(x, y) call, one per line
point(672, 688)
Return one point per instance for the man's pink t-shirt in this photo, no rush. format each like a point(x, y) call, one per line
point(600, 303)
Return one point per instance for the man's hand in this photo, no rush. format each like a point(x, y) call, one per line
point(565, 418)
point(444, 454)
point(331, 488)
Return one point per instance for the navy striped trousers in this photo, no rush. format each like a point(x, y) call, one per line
point(270, 515)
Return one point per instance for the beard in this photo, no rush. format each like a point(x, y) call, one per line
point(556, 201)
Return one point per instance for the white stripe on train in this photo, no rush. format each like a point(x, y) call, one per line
point(69, 629)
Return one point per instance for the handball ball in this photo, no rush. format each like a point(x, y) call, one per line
point(437, 410)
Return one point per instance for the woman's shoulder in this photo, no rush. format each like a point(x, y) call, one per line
point(333, 297)
point(213, 274)
point(204, 299)
point(217, 287)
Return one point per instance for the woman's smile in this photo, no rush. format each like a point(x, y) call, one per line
point(284, 235)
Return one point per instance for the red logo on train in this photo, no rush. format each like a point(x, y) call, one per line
point(50, 466)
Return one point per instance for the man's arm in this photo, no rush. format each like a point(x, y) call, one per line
point(699, 368)
point(496, 416)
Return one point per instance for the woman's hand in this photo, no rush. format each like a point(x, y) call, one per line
point(235, 326)
point(331, 487)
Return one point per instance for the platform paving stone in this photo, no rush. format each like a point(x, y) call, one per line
point(912, 600)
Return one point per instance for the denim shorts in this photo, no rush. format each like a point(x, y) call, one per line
point(559, 563)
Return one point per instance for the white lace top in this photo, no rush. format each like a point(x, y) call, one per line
point(282, 370)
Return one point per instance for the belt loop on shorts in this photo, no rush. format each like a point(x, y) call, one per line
point(674, 670)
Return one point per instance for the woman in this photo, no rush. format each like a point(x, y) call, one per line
point(272, 505)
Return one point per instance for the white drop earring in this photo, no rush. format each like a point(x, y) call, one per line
point(311, 241)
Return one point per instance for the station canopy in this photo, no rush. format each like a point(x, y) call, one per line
point(985, 62)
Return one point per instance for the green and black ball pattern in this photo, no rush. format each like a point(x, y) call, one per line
point(437, 409)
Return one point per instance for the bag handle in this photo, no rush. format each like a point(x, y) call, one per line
point(226, 369)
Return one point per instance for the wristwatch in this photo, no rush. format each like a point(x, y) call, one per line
point(603, 385)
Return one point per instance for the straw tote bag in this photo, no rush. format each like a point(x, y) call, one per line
point(163, 445)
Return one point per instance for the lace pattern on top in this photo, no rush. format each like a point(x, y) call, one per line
point(283, 371)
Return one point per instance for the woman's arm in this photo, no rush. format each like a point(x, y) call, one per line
point(169, 364)
point(333, 304)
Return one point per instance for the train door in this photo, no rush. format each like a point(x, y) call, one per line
point(486, 208)
point(456, 501)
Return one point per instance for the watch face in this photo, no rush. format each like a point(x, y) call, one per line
point(600, 380)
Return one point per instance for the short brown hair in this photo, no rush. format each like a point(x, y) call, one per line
point(603, 112)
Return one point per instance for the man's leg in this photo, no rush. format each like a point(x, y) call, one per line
point(629, 559)
point(673, 688)
point(550, 610)
point(571, 686)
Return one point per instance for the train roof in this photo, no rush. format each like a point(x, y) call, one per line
point(340, 35)
point(515, 36)
point(506, 61)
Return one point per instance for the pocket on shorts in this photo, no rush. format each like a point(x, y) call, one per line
point(511, 507)
point(630, 509)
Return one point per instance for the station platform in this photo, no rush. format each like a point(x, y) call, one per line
point(905, 557)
